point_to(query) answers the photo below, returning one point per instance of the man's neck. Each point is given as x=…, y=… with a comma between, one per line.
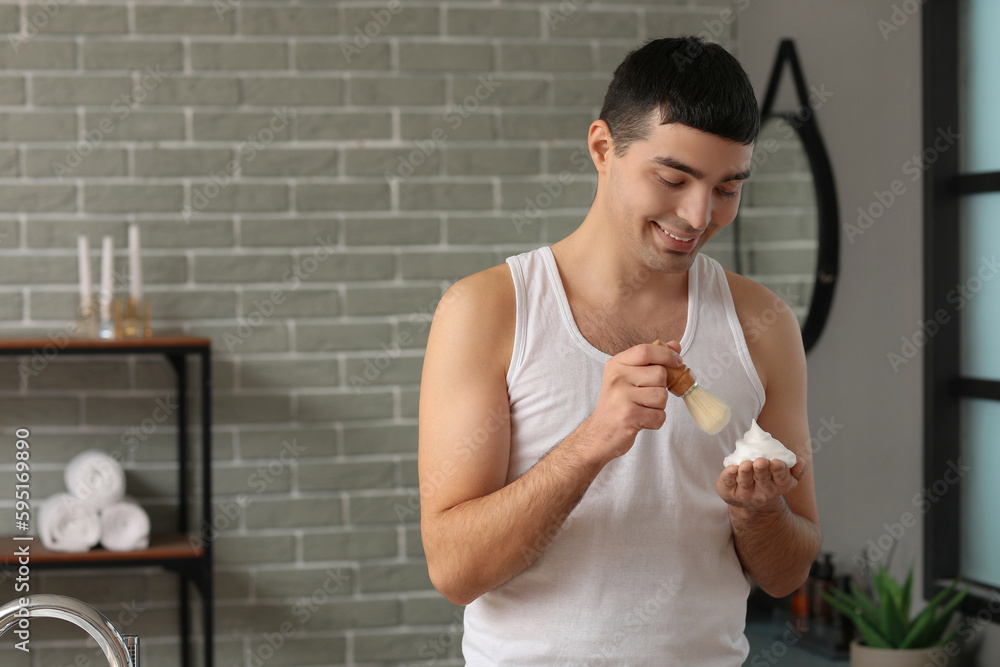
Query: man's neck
x=597, y=268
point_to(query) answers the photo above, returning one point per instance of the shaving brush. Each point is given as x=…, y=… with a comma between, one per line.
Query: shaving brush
x=709, y=412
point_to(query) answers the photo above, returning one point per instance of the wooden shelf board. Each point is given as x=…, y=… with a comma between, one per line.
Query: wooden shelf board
x=162, y=546
x=39, y=342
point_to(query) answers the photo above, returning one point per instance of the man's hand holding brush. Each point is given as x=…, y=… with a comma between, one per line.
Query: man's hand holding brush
x=633, y=396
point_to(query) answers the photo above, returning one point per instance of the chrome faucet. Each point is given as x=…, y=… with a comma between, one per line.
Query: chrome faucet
x=120, y=651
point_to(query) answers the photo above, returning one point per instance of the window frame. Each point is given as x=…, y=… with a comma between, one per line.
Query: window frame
x=944, y=385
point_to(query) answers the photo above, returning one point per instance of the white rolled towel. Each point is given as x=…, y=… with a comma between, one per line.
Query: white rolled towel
x=124, y=526
x=95, y=478
x=66, y=523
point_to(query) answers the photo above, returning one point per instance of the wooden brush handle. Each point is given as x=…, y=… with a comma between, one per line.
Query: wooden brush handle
x=679, y=379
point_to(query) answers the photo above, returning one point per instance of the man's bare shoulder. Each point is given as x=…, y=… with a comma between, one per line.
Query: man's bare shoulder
x=480, y=308
x=488, y=293
x=758, y=307
x=770, y=327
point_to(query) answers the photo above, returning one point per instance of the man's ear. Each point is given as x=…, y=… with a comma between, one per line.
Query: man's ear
x=600, y=145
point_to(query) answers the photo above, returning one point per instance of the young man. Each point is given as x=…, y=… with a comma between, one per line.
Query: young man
x=565, y=498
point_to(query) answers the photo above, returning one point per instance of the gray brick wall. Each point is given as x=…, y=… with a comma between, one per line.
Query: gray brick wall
x=308, y=178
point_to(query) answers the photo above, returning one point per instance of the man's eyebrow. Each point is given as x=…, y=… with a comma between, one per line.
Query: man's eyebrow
x=674, y=163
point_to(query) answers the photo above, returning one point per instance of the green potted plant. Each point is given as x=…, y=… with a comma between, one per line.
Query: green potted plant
x=891, y=637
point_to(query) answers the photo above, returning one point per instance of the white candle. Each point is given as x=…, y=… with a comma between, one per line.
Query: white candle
x=134, y=263
x=83, y=257
x=107, y=268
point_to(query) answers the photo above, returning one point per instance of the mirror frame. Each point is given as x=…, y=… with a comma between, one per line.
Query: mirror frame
x=803, y=121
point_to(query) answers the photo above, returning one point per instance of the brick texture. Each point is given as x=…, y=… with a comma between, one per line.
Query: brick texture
x=308, y=178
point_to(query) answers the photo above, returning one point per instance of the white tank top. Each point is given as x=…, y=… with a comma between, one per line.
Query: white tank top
x=644, y=570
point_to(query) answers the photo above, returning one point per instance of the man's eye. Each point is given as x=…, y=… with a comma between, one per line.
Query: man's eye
x=666, y=182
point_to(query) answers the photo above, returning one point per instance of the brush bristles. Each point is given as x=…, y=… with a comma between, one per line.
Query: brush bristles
x=710, y=413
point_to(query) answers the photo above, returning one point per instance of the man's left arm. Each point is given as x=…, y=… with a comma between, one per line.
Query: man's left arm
x=772, y=508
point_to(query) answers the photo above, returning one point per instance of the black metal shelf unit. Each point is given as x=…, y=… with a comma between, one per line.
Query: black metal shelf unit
x=187, y=553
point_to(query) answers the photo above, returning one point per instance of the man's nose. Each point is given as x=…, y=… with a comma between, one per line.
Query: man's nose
x=696, y=208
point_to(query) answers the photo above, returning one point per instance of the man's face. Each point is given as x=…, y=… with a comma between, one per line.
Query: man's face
x=673, y=191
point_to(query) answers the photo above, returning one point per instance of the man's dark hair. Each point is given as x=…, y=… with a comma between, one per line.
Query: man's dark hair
x=690, y=81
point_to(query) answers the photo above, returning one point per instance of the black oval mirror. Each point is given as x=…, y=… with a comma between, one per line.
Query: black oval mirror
x=786, y=234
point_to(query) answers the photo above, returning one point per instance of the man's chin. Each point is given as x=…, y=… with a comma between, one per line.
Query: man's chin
x=673, y=261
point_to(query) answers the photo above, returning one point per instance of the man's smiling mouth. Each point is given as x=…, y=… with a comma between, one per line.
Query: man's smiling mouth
x=676, y=237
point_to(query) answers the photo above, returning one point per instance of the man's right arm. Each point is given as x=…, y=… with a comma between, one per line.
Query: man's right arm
x=479, y=532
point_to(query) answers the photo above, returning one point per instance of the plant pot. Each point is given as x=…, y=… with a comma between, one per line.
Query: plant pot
x=866, y=656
